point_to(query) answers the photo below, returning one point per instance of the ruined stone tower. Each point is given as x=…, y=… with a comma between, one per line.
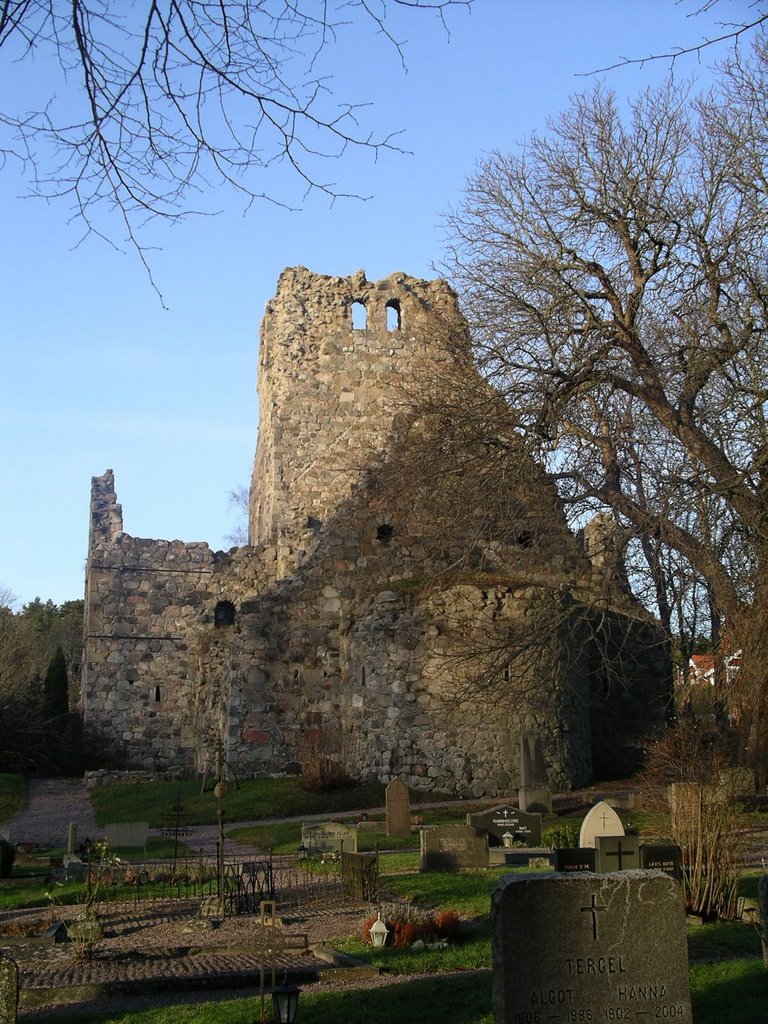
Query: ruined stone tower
x=356, y=617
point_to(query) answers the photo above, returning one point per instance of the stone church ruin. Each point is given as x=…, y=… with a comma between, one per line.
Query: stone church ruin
x=359, y=625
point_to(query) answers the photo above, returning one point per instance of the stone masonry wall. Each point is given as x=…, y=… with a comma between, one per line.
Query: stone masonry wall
x=331, y=625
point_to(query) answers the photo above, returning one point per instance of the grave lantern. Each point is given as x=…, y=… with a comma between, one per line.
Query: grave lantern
x=285, y=1002
x=379, y=932
x=303, y=852
x=508, y=839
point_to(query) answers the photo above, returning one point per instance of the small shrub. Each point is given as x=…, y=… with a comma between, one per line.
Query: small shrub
x=407, y=924
x=560, y=837
x=447, y=924
x=7, y=857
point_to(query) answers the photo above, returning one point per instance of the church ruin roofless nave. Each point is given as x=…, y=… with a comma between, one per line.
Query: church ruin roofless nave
x=347, y=624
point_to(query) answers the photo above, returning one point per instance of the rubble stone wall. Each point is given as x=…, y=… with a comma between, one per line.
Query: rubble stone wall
x=341, y=626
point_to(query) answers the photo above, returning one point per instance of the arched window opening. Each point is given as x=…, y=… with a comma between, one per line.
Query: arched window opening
x=384, y=533
x=393, y=315
x=359, y=316
x=224, y=614
x=507, y=674
x=157, y=695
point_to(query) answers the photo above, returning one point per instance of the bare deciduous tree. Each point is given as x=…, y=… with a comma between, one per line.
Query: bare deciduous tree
x=614, y=274
x=145, y=105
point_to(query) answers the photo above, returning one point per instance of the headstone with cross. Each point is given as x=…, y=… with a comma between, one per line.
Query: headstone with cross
x=503, y=821
x=601, y=820
x=617, y=853
x=594, y=948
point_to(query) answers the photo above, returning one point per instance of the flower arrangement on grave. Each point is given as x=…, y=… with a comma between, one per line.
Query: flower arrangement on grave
x=408, y=925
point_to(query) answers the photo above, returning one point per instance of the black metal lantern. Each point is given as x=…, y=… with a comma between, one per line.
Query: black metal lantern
x=285, y=1002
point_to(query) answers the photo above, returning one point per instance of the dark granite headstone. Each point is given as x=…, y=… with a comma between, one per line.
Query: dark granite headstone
x=580, y=858
x=662, y=858
x=452, y=847
x=593, y=948
x=500, y=822
x=617, y=853
x=398, y=803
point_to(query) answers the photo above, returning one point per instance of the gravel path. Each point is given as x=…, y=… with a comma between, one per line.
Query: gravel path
x=53, y=804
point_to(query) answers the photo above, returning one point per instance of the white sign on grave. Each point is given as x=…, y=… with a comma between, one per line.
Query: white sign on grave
x=602, y=820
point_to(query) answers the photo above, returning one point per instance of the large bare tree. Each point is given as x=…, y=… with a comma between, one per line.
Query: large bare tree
x=613, y=270
x=140, y=107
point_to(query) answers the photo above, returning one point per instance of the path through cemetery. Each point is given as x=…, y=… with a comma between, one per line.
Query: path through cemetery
x=52, y=805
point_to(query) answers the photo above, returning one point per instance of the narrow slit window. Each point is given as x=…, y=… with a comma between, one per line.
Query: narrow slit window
x=362, y=676
x=157, y=695
x=359, y=316
x=393, y=315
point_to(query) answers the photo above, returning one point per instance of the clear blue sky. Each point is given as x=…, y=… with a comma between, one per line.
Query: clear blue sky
x=96, y=374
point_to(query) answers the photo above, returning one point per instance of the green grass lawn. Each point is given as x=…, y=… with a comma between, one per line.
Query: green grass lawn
x=254, y=800
x=13, y=795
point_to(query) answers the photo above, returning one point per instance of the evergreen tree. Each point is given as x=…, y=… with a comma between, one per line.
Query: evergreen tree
x=56, y=685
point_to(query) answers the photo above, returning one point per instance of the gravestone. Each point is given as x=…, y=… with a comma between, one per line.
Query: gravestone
x=398, y=802
x=127, y=833
x=360, y=876
x=503, y=822
x=329, y=837
x=534, y=794
x=617, y=853
x=73, y=868
x=452, y=847
x=661, y=857
x=9, y=990
x=591, y=948
x=601, y=820
x=576, y=859
x=72, y=838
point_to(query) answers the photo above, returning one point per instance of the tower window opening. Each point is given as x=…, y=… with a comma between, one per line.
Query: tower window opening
x=393, y=315
x=156, y=695
x=224, y=614
x=359, y=316
x=384, y=533
x=362, y=676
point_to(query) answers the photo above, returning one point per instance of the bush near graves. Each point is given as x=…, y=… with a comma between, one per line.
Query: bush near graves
x=7, y=857
x=560, y=837
x=407, y=924
x=700, y=756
